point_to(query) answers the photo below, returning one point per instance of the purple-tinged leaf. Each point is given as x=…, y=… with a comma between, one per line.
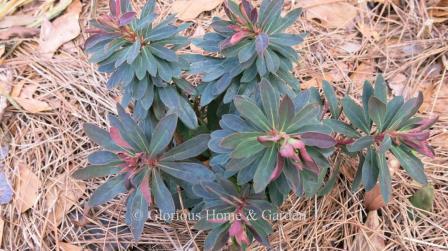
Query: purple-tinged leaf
x=287, y=151
x=6, y=191
x=254, y=15
x=112, y=8
x=237, y=230
x=310, y=164
x=361, y=143
x=246, y=8
x=100, y=137
x=278, y=167
x=261, y=43
x=126, y=18
x=268, y=138
x=425, y=123
x=146, y=190
x=237, y=37
x=117, y=138
x=318, y=139
x=117, y=8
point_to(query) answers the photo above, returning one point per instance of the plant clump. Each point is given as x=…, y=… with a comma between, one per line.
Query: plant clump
x=252, y=138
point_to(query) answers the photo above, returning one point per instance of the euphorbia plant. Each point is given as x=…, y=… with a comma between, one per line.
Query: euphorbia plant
x=143, y=160
x=229, y=211
x=277, y=142
x=271, y=140
x=253, y=45
x=380, y=126
x=142, y=59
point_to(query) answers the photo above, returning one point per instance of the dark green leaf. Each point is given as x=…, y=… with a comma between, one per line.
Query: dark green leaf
x=102, y=158
x=270, y=102
x=108, y=190
x=377, y=111
x=342, y=128
x=190, y=148
x=95, y=171
x=217, y=238
x=361, y=143
x=162, y=195
x=384, y=177
x=392, y=109
x=286, y=112
x=162, y=134
x=369, y=170
x=385, y=145
x=247, y=148
x=250, y=111
x=101, y=137
x=190, y=172
x=354, y=112
x=405, y=112
x=164, y=53
x=413, y=165
x=331, y=98
x=381, y=89
x=264, y=169
x=138, y=211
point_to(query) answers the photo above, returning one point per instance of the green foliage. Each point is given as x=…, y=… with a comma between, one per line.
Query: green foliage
x=143, y=159
x=253, y=45
x=234, y=212
x=141, y=57
x=266, y=138
x=386, y=126
x=274, y=143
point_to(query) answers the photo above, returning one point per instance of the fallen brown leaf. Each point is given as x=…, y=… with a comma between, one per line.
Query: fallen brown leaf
x=332, y=14
x=33, y=105
x=364, y=71
x=18, y=31
x=370, y=239
x=373, y=199
x=26, y=189
x=6, y=78
x=190, y=9
x=397, y=84
x=69, y=247
x=16, y=20
x=28, y=91
x=60, y=31
x=62, y=193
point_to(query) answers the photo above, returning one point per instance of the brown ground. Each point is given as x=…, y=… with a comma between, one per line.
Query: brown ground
x=397, y=40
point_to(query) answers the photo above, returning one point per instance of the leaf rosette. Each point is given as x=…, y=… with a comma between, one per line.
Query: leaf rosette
x=281, y=145
x=380, y=126
x=252, y=45
x=232, y=212
x=141, y=57
x=143, y=160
